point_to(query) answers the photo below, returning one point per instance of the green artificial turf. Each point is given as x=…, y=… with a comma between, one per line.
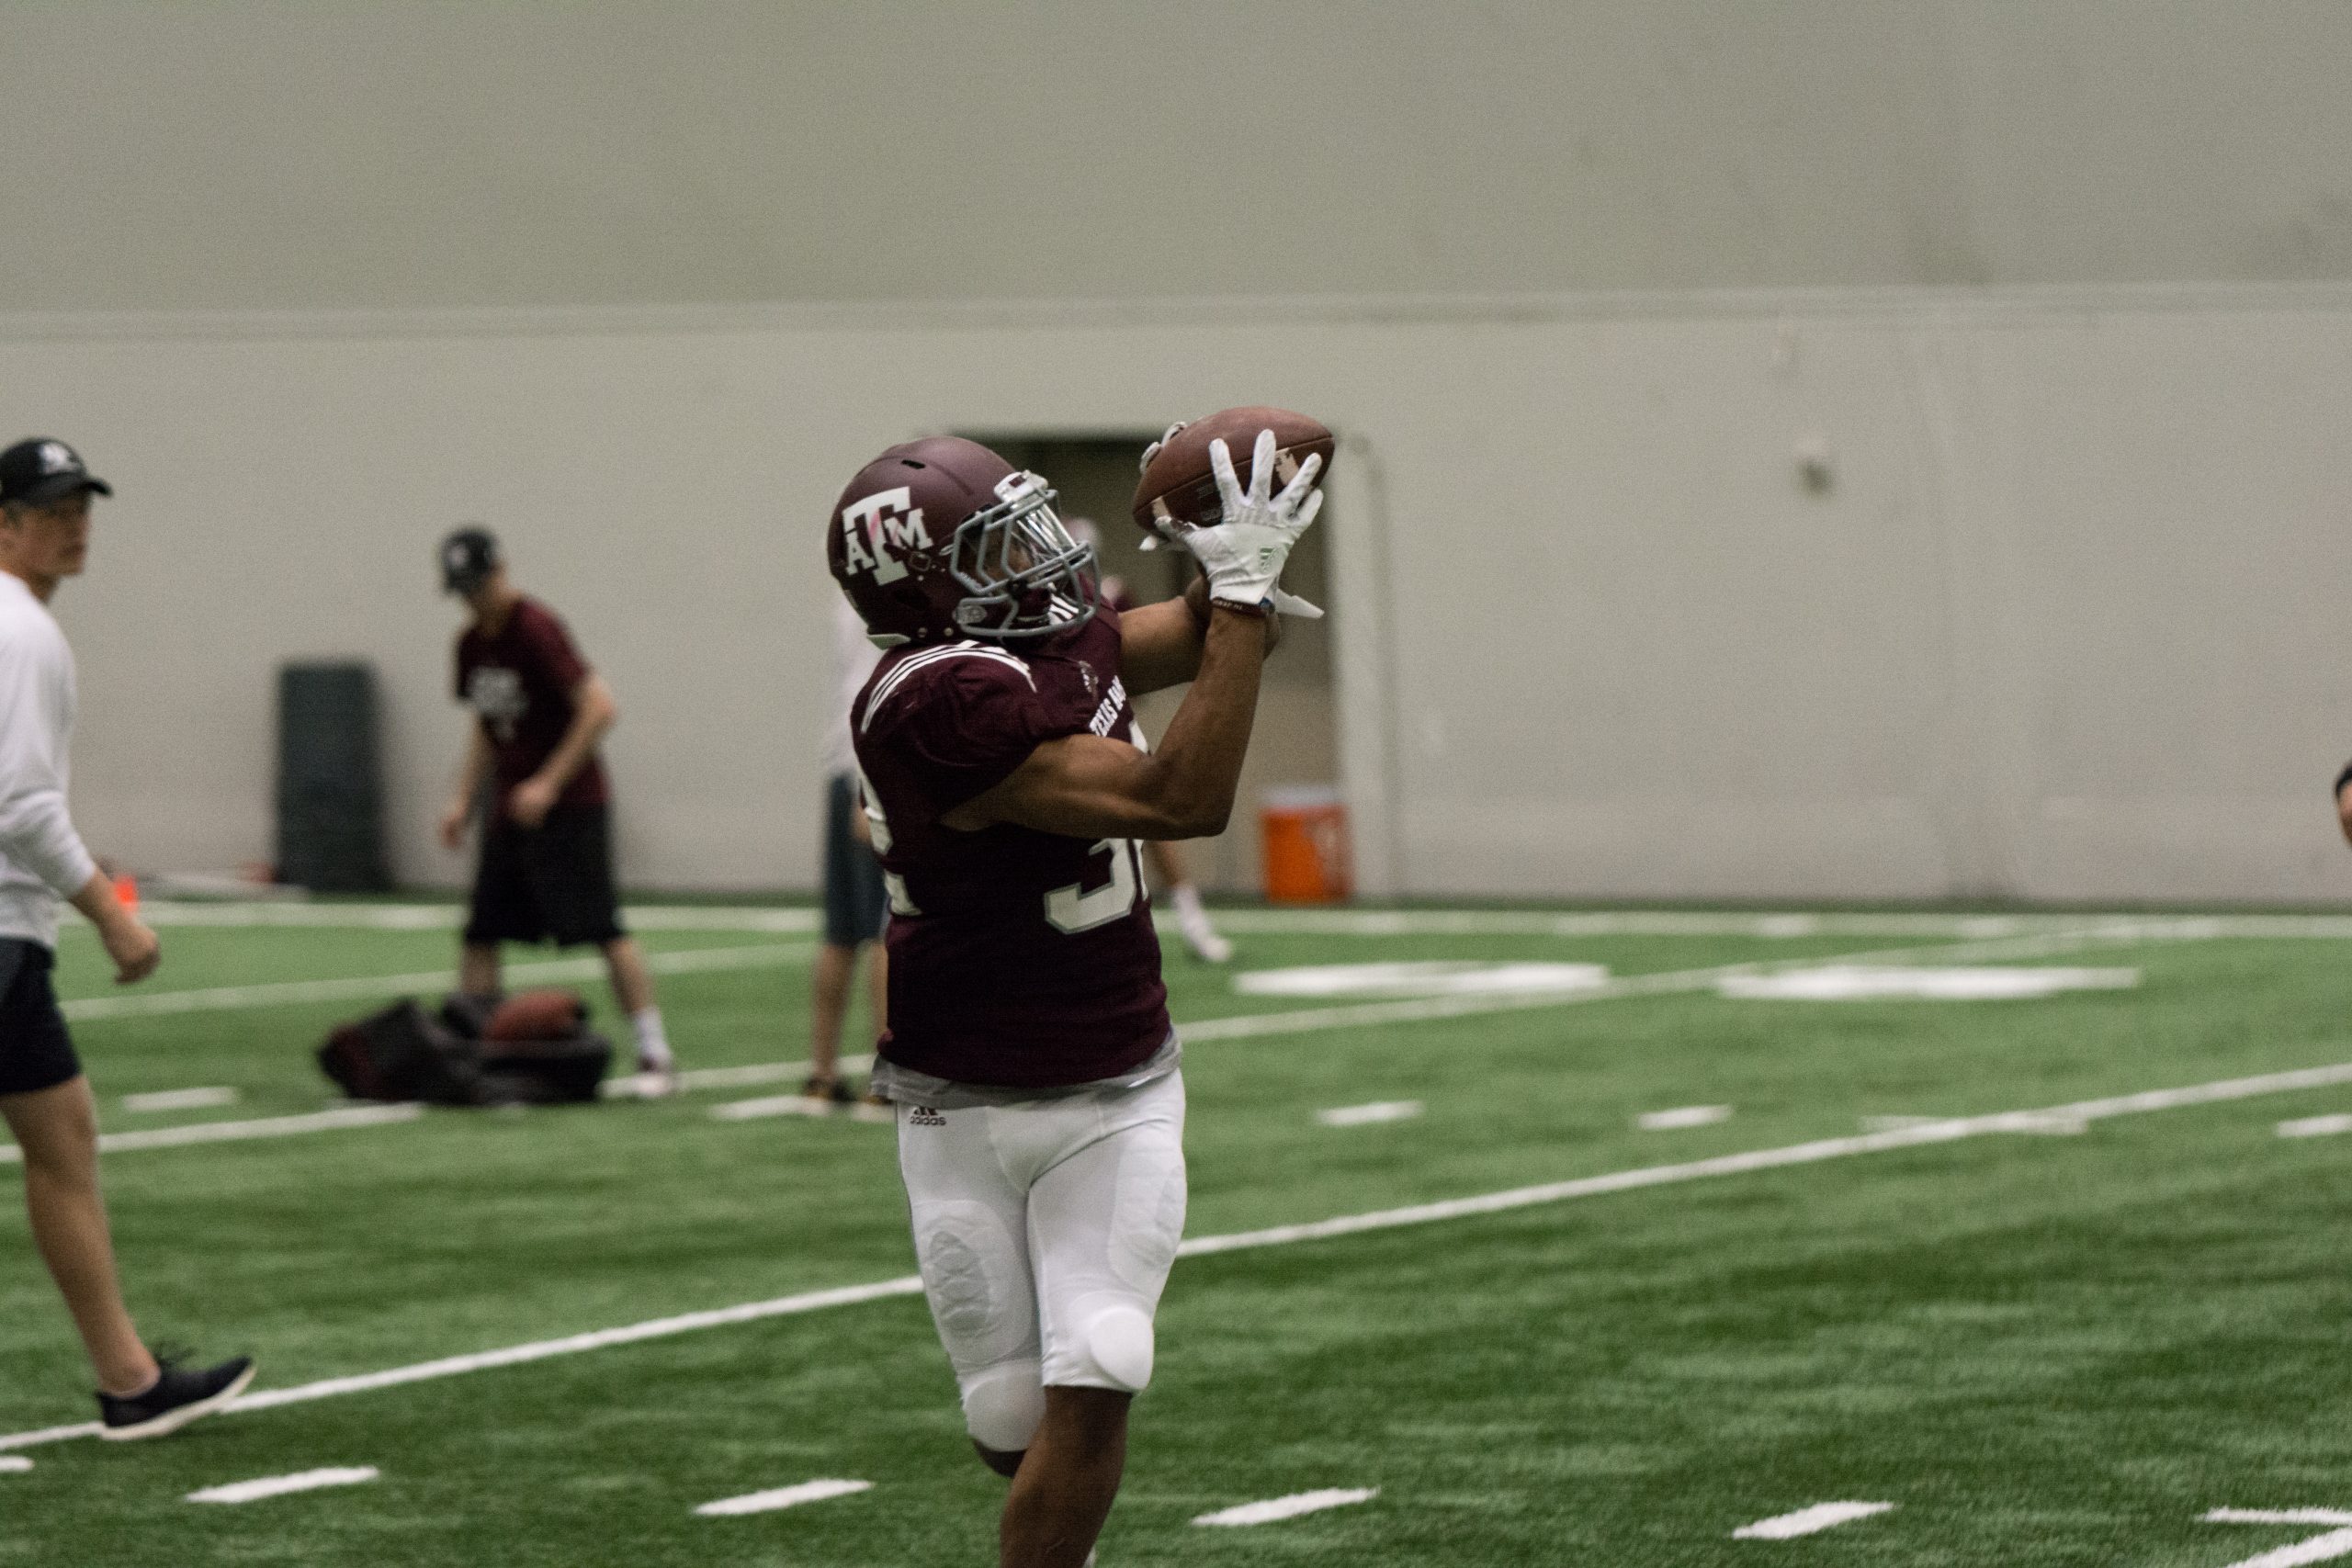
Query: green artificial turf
x=2045, y=1350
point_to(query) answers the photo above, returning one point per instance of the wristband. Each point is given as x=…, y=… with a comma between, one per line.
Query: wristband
x=1261, y=609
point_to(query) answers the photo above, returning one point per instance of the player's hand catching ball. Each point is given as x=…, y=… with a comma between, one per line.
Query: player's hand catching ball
x=1243, y=554
x=531, y=801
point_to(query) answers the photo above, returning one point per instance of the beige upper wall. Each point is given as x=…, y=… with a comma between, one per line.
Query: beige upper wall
x=296, y=154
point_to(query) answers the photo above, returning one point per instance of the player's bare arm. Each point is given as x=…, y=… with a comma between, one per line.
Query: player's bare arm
x=471, y=775
x=594, y=712
x=1088, y=786
x=128, y=941
x=1160, y=645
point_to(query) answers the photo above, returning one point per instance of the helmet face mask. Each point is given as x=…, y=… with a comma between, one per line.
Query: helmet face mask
x=942, y=539
x=1023, y=573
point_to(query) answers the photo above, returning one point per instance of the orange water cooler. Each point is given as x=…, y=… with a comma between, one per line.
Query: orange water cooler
x=1303, y=830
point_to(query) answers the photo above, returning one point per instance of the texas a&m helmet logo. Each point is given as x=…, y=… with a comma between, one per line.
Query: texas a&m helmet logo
x=878, y=529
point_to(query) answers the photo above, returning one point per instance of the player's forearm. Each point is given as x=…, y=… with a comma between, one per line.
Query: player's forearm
x=1192, y=778
x=572, y=752
x=474, y=772
x=97, y=901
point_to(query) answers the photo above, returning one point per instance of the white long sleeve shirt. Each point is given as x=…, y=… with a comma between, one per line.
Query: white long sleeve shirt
x=42, y=857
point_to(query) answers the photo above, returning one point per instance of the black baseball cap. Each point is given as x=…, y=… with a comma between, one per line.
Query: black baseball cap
x=468, y=556
x=41, y=468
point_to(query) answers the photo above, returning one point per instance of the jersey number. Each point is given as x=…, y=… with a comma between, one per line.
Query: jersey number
x=1072, y=910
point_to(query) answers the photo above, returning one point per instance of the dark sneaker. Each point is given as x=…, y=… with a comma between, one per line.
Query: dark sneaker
x=833, y=1091
x=179, y=1396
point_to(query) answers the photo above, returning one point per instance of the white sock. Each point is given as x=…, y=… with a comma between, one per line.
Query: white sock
x=1187, y=900
x=652, y=1044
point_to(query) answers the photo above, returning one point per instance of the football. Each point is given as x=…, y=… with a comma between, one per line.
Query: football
x=1178, y=486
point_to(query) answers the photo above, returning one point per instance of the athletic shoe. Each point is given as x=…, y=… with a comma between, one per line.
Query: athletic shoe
x=832, y=1091
x=657, y=1078
x=178, y=1396
x=1201, y=938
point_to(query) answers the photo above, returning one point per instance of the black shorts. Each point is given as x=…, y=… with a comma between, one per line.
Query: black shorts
x=35, y=1051
x=856, y=906
x=552, y=883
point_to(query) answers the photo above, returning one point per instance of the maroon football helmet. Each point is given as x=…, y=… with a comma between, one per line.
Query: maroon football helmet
x=942, y=539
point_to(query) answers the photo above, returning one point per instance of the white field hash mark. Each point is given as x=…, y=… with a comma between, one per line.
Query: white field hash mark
x=2337, y=1542
x=2315, y=1127
x=14, y=1465
x=1808, y=1521
x=279, y=1485
x=1682, y=1116
x=1943, y=1131
x=782, y=1497
x=180, y=1100
x=1363, y=1115
x=1289, y=1508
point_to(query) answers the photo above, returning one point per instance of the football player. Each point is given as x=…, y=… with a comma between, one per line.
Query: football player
x=1029, y=1057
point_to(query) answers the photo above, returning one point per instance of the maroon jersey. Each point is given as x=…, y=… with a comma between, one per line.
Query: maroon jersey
x=519, y=684
x=1020, y=959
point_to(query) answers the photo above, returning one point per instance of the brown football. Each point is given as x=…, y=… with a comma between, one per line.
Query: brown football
x=1178, y=485
x=537, y=1015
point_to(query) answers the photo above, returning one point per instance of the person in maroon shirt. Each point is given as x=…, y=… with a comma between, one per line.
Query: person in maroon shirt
x=1029, y=1053
x=546, y=873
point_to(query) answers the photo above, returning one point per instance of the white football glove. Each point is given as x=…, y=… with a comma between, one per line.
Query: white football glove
x=1243, y=555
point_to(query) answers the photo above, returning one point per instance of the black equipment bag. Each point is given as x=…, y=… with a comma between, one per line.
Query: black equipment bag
x=400, y=1053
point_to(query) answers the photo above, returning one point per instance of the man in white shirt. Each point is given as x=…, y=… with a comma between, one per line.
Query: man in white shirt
x=45, y=493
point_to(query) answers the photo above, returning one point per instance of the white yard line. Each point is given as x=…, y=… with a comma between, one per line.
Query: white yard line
x=1813, y=1153
x=799, y=1105
x=281, y=1485
x=180, y=1100
x=782, y=1497
x=1808, y=1521
x=1290, y=1507
x=151, y=1004
x=14, y=1465
x=2337, y=1542
x=1680, y=1117
x=1363, y=1115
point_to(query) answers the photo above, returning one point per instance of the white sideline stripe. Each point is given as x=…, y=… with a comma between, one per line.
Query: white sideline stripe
x=220, y=997
x=2337, y=1542
x=180, y=1100
x=743, y=1077
x=782, y=1497
x=1682, y=1116
x=336, y=1120
x=1942, y=1132
x=1361, y=1115
x=14, y=1465
x=279, y=1485
x=1808, y=1521
x=2277, y=1517
x=1769, y=924
x=2315, y=1127
x=1290, y=1507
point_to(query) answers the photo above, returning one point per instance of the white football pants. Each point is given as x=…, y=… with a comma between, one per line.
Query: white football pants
x=1045, y=1231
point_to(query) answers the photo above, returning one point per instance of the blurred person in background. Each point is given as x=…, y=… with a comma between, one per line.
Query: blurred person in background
x=546, y=872
x=45, y=493
x=857, y=906
x=1162, y=858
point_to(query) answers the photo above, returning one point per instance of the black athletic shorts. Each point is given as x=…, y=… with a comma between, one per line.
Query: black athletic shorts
x=856, y=909
x=35, y=1051
x=552, y=883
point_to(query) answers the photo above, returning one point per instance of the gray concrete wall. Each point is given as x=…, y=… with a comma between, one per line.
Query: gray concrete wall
x=2063, y=627
x=293, y=155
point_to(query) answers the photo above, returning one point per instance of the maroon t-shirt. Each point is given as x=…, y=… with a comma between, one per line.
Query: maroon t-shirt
x=519, y=684
x=1020, y=959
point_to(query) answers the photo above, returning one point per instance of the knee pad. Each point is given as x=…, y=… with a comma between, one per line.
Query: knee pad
x=1003, y=1405
x=1116, y=1347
